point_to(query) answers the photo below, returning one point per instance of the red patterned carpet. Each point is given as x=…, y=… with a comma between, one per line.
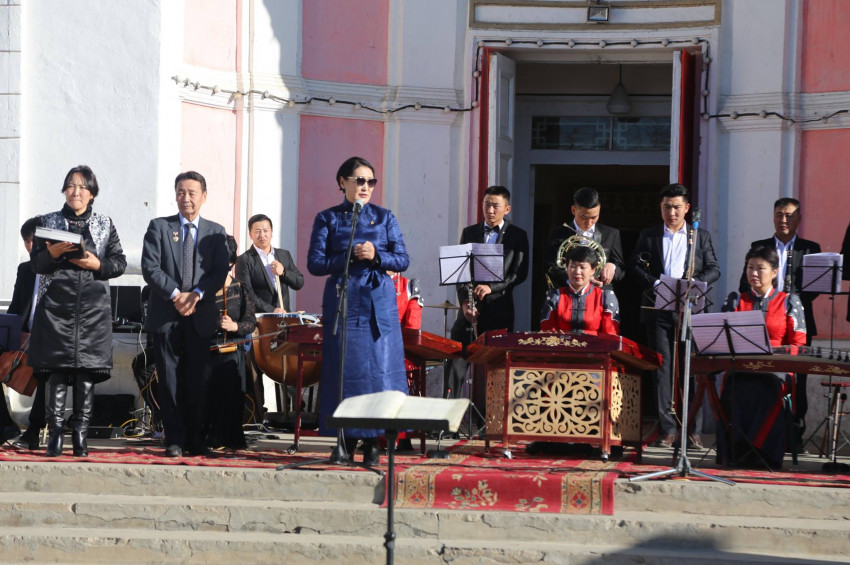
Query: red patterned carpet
x=472, y=479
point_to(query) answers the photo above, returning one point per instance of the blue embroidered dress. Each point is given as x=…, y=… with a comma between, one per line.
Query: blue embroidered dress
x=374, y=350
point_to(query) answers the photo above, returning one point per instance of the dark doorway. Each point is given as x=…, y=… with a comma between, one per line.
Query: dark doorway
x=629, y=196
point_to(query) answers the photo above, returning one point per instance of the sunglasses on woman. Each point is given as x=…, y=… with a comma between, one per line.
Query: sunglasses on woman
x=363, y=180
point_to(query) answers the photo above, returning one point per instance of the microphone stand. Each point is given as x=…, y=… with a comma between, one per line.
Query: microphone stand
x=683, y=467
x=339, y=455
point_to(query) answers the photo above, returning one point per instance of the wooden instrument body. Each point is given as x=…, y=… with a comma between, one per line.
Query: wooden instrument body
x=278, y=367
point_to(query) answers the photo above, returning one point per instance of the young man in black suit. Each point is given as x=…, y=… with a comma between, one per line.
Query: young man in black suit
x=585, y=210
x=184, y=261
x=264, y=270
x=664, y=249
x=786, y=221
x=23, y=304
x=494, y=301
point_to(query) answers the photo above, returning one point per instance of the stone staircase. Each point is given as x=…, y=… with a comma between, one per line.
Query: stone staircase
x=89, y=513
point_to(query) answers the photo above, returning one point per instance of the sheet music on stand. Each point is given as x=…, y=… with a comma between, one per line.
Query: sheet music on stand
x=818, y=271
x=735, y=333
x=670, y=294
x=471, y=262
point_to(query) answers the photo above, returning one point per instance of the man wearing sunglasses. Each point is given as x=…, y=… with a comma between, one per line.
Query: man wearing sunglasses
x=494, y=301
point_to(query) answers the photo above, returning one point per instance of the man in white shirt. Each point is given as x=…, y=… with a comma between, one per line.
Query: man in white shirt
x=660, y=250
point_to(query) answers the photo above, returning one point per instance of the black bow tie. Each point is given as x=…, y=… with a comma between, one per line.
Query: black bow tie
x=488, y=229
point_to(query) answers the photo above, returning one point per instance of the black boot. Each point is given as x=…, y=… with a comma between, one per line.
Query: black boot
x=54, y=406
x=371, y=455
x=83, y=404
x=350, y=447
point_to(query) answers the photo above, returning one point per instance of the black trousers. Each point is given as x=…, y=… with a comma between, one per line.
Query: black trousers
x=662, y=337
x=183, y=369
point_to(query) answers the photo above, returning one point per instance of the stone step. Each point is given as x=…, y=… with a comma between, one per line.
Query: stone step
x=191, y=481
x=685, y=496
x=45, y=544
x=105, y=514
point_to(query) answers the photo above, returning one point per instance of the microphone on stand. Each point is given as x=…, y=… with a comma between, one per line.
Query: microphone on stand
x=358, y=205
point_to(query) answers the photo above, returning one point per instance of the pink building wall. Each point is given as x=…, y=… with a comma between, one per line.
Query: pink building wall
x=345, y=41
x=324, y=144
x=825, y=57
x=210, y=33
x=824, y=167
x=209, y=147
x=211, y=137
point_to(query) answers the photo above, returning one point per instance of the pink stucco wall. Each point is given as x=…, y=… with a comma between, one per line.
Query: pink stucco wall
x=824, y=170
x=345, y=41
x=209, y=146
x=324, y=144
x=210, y=33
x=826, y=58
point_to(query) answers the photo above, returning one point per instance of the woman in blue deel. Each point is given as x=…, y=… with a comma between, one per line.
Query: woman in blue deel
x=374, y=352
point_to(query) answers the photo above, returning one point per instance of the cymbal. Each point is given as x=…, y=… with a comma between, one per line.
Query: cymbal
x=445, y=306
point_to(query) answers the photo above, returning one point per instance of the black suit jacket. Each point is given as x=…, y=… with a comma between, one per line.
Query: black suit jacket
x=845, y=250
x=650, y=246
x=801, y=247
x=606, y=236
x=162, y=269
x=496, y=311
x=251, y=272
x=21, y=303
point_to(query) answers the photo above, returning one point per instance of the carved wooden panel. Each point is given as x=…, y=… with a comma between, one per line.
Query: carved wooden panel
x=625, y=407
x=555, y=402
x=495, y=400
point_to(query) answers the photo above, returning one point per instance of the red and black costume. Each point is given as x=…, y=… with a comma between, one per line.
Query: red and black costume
x=590, y=310
x=754, y=401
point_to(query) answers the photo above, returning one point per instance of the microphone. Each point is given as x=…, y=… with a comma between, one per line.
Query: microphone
x=358, y=205
x=696, y=214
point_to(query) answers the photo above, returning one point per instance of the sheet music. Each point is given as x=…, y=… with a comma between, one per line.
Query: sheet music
x=671, y=290
x=725, y=333
x=457, y=265
x=818, y=272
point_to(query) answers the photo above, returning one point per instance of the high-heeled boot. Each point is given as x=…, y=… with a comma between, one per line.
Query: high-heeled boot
x=54, y=405
x=83, y=404
x=371, y=455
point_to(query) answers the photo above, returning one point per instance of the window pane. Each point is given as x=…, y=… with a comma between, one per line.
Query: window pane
x=641, y=134
x=585, y=133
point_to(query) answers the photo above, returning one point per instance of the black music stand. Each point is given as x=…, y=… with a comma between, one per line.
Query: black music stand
x=470, y=264
x=825, y=278
x=394, y=411
x=693, y=292
x=671, y=295
x=734, y=333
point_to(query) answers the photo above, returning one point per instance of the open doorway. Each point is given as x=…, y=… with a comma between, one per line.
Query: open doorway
x=629, y=197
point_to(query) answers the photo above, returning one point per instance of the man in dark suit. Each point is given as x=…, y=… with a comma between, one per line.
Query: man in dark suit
x=22, y=304
x=184, y=261
x=664, y=249
x=264, y=269
x=585, y=210
x=786, y=220
x=494, y=301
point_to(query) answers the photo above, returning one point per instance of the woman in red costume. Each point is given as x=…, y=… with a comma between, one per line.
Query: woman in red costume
x=581, y=307
x=753, y=402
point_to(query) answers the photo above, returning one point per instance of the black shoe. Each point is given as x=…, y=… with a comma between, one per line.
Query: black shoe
x=404, y=444
x=8, y=432
x=54, y=443
x=174, y=451
x=78, y=440
x=28, y=439
x=664, y=440
x=371, y=455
